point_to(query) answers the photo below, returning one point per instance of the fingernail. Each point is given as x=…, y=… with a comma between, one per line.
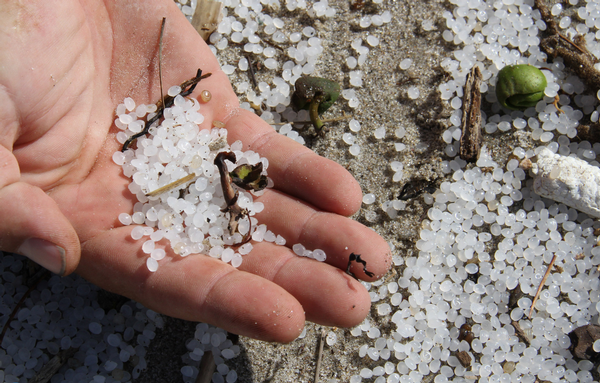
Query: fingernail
x=45, y=254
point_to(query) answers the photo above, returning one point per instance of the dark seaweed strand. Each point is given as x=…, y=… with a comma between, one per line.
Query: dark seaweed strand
x=356, y=258
x=191, y=83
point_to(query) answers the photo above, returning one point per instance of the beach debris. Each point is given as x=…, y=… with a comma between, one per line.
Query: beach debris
x=464, y=358
x=589, y=132
x=207, y=368
x=187, y=87
x=356, y=258
x=53, y=365
x=465, y=333
x=575, y=55
x=415, y=188
x=520, y=333
x=315, y=94
x=569, y=180
x=249, y=177
x=520, y=86
x=172, y=185
x=231, y=196
x=508, y=367
x=251, y=74
x=583, y=342
x=514, y=296
x=470, y=139
x=207, y=17
x=320, y=354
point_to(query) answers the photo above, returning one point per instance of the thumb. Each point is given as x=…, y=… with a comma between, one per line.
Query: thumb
x=32, y=224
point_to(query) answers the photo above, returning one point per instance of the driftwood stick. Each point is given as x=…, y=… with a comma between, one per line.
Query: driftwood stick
x=470, y=140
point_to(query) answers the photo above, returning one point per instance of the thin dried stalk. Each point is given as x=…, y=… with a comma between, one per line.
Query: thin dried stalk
x=230, y=194
x=172, y=185
x=320, y=355
x=539, y=290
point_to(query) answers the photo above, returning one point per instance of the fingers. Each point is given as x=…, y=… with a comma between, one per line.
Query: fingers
x=338, y=236
x=33, y=225
x=196, y=288
x=328, y=295
x=295, y=169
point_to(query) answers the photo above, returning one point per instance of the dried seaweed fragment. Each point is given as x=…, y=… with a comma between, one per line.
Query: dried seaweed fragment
x=416, y=187
x=356, y=258
x=249, y=177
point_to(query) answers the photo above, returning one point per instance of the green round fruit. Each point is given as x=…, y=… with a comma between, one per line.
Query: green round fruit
x=520, y=86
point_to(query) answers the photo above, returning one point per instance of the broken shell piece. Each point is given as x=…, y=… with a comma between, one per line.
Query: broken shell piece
x=569, y=180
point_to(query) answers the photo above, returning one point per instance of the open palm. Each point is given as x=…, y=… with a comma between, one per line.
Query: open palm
x=64, y=67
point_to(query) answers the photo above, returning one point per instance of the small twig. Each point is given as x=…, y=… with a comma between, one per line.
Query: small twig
x=537, y=294
x=251, y=72
x=52, y=366
x=520, y=333
x=12, y=315
x=320, y=355
x=230, y=195
x=470, y=140
x=206, y=368
x=514, y=296
x=172, y=185
x=555, y=103
x=580, y=49
x=273, y=44
x=160, y=46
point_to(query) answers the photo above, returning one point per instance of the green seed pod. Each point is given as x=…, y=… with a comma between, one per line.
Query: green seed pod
x=520, y=86
x=307, y=88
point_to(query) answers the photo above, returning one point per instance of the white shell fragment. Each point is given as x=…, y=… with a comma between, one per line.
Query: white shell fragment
x=569, y=180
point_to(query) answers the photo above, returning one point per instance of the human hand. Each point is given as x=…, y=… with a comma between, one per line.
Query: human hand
x=66, y=65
